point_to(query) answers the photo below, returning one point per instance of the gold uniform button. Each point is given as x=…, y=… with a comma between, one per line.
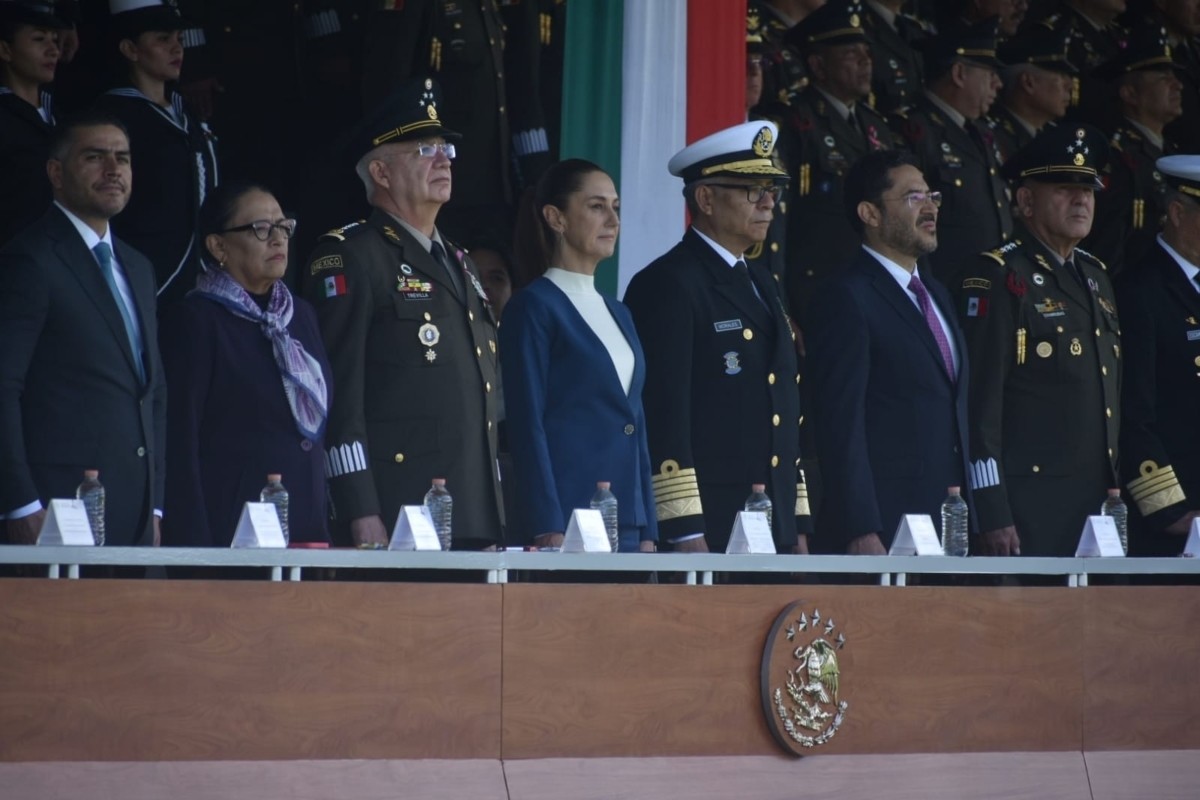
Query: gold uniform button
x=774, y=247
x=782, y=207
x=487, y=387
x=1097, y=331
x=428, y=318
x=629, y=430
x=1110, y=452
x=775, y=420
x=1108, y=413
x=774, y=461
x=489, y=424
x=1036, y=468
x=471, y=315
x=747, y=334
x=492, y=345
x=771, y=378
x=398, y=458
x=991, y=170
x=479, y=352
x=1103, y=370
x=797, y=378
x=958, y=181
x=1059, y=329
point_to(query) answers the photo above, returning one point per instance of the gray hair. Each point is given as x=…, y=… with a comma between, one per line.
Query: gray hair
x=363, y=170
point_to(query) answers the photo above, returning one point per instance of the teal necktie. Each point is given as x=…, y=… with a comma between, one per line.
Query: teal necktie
x=104, y=255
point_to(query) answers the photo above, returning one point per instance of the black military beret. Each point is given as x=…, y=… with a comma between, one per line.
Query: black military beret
x=1061, y=154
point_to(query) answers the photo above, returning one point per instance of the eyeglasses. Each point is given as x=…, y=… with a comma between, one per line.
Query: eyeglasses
x=431, y=150
x=918, y=199
x=756, y=62
x=754, y=193
x=261, y=228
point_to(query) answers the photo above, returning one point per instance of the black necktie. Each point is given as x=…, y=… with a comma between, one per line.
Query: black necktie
x=852, y=118
x=744, y=270
x=439, y=255
x=1075, y=272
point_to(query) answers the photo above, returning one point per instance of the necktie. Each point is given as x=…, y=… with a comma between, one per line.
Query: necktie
x=744, y=271
x=935, y=326
x=852, y=119
x=1075, y=272
x=439, y=255
x=104, y=255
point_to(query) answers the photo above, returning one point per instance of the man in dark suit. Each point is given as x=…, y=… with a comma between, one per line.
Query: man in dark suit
x=81, y=383
x=410, y=336
x=1041, y=326
x=888, y=366
x=1160, y=319
x=722, y=404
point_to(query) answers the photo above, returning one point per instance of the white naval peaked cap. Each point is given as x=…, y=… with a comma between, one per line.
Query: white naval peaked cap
x=743, y=151
x=121, y=6
x=1181, y=172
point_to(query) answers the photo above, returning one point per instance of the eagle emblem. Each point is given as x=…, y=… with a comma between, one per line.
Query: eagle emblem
x=802, y=693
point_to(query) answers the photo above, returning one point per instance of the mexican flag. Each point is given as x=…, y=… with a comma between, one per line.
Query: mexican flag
x=642, y=79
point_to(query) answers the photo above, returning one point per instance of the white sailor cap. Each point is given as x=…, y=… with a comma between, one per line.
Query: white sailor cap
x=743, y=151
x=1181, y=172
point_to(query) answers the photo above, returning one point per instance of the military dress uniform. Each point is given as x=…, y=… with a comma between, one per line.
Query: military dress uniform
x=784, y=71
x=1044, y=406
x=412, y=345
x=1160, y=430
x=1088, y=48
x=897, y=74
x=721, y=396
x=1037, y=46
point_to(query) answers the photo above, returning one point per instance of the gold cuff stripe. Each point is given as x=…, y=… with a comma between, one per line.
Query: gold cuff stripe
x=1148, y=488
x=675, y=509
x=661, y=482
x=677, y=494
x=1151, y=473
x=802, y=509
x=1160, y=500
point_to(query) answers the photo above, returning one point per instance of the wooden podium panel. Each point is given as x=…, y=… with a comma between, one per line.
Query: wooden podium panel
x=1142, y=668
x=666, y=671
x=182, y=670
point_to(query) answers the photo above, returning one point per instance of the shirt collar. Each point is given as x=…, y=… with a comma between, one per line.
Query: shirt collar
x=1189, y=269
x=729, y=257
x=954, y=114
x=421, y=238
x=842, y=109
x=902, y=276
x=89, y=236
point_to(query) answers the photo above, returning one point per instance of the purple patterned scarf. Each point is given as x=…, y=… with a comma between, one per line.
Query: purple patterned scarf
x=303, y=381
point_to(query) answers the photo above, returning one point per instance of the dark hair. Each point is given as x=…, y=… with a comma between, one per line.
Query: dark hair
x=534, y=239
x=221, y=204
x=64, y=132
x=869, y=178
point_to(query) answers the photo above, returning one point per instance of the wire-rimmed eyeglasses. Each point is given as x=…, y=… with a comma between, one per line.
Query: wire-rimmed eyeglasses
x=261, y=228
x=918, y=199
x=754, y=192
x=431, y=150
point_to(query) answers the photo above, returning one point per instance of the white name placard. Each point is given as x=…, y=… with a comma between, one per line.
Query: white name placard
x=586, y=533
x=916, y=536
x=414, y=530
x=1099, y=539
x=66, y=523
x=1191, y=547
x=751, y=534
x=258, y=526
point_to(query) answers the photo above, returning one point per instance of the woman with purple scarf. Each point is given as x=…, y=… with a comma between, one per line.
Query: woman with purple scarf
x=248, y=381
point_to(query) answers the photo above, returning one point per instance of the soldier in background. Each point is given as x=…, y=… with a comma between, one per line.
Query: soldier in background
x=828, y=127
x=784, y=74
x=1044, y=344
x=1095, y=36
x=1037, y=87
x=1160, y=319
x=897, y=74
x=1148, y=93
x=492, y=75
x=956, y=151
x=963, y=13
x=770, y=252
x=411, y=338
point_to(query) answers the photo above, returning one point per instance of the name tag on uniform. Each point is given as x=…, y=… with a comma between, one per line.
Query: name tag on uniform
x=1193, y=335
x=728, y=325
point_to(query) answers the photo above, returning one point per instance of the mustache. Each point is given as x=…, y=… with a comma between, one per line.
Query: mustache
x=921, y=220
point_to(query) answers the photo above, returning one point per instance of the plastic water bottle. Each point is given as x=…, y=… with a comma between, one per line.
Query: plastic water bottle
x=758, y=500
x=605, y=502
x=954, y=523
x=276, y=495
x=1114, y=507
x=91, y=492
x=441, y=508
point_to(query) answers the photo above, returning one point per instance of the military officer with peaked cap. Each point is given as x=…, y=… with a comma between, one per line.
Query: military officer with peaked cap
x=721, y=395
x=957, y=152
x=1044, y=343
x=1160, y=315
x=1038, y=81
x=410, y=336
x=828, y=128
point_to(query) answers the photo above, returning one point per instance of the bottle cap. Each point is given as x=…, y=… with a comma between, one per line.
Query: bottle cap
x=758, y=487
x=954, y=490
x=1114, y=492
x=91, y=474
x=439, y=481
x=603, y=485
x=274, y=477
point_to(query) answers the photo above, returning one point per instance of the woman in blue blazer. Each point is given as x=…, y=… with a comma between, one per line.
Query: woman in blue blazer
x=573, y=369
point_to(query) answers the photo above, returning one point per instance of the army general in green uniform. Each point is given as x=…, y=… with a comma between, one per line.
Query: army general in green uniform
x=411, y=339
x=1044, y=343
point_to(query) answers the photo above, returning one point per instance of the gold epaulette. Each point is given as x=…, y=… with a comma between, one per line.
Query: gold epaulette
x=998, y=254
x=339, y=234
x=676, y=492
x=1156, y=488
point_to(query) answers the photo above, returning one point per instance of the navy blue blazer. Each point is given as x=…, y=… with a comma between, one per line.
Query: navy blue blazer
x=570, y=424
x=890, y=425
x=229, y=425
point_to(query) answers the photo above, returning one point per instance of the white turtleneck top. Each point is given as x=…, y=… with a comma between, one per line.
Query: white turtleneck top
x=581, y=291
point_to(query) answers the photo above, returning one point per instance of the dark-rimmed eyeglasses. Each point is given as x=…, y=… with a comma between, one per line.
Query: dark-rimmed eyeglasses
x=754, y=193
x=261, y=228
x=431, y=150
x=918, y=199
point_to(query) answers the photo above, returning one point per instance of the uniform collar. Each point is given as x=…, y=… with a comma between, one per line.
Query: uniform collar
x=1190, y=270
x=728, y=257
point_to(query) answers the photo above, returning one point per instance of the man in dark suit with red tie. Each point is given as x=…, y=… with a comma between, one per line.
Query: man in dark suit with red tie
x=888, y=366
x=81, y=383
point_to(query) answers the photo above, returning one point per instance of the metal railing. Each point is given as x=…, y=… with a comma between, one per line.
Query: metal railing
x=698, y=568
